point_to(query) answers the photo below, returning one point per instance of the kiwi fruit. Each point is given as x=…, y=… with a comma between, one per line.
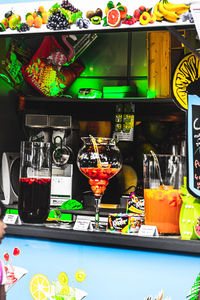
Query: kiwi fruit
x=90, y=14
x=99, y=12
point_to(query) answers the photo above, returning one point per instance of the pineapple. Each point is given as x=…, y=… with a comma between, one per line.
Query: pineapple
x=48, y=76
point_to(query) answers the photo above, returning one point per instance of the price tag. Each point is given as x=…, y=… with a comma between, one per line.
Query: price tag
x=11, y=219
x=195, y=10
x=147, y=230
x=83, y=224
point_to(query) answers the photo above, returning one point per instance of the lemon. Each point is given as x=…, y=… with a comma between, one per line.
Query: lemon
x=127, y=178
x=63, y=279
x=64, y=290
x=185, y=80
x=80, y=275
x=40, y=287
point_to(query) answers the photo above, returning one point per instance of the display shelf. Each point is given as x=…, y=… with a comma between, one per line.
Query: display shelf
x=100, y=100
x=23, y=7
x=94, y=29
x=172, y=244
x=103, y=109
x=90, y=211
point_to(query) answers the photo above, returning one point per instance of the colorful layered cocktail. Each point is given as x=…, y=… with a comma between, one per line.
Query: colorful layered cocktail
x=99, y=178
x=99, y=159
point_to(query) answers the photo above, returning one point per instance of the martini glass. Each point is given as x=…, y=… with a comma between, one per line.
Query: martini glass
x=99, y=159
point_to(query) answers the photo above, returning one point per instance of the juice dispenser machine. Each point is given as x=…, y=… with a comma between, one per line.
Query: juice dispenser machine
x=56, y=129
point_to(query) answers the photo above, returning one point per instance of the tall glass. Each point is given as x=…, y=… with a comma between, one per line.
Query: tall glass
x=34, y=182
x=99, y=159
x=163, y=178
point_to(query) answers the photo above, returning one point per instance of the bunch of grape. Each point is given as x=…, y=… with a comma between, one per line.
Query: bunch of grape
x=23, y=27
x=187, y=16
x=82, y=23
x=57, y=21
x=68, y=6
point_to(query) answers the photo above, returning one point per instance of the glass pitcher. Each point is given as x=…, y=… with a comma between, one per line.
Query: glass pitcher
x=34, y=182
x=163, y=177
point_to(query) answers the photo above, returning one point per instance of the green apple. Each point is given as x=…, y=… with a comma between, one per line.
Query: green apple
x=19, y=18
x=13, y=21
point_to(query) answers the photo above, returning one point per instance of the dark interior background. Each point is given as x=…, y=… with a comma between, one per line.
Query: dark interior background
x=114, y=59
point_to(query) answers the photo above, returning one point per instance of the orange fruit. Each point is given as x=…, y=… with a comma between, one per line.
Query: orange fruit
x=123, y=11
x=113, y=17
x=30, y=20
x=38, y=22
x=41, y=9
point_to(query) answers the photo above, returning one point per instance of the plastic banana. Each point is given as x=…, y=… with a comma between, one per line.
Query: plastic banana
x=159, y=16
x=182, y=11
x=168, y=15
x=178, y=8
x=172, y=18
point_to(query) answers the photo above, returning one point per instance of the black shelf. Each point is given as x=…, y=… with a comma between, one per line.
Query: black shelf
x=41, y=32
x=107, y=239
x=146, y=109
x=99, y=100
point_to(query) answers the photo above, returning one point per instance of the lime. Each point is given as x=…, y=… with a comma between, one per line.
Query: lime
x=80, y=275
x=63, y=279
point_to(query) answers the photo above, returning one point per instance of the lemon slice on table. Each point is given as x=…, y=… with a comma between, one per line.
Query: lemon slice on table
x=80, y=275
x=63, y=279
x=186, y=80
x=65, y=290
x=40, y=287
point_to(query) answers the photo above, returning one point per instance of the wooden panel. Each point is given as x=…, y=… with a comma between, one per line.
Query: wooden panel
x=159, y=63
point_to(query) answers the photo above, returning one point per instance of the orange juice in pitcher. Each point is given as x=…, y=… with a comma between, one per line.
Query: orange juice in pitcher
x=162, y=191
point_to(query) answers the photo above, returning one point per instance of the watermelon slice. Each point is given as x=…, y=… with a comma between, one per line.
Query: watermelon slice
x=197, y=231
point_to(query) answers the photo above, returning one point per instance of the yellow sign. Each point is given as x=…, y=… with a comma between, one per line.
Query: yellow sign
x=186, y=80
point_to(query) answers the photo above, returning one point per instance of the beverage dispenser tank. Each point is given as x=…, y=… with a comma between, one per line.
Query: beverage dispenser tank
x=61, y=131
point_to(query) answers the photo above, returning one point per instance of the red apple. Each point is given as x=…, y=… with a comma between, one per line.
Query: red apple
x=5, y=22
x=137, y=14
x=142, y=8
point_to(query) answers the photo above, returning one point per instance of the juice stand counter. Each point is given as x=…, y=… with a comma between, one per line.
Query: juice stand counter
x=54, y=263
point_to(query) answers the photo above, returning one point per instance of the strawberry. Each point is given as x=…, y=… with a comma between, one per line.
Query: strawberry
x=6, y=256
x=16, y=251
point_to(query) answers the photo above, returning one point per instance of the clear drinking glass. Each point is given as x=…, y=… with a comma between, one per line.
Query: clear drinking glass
x=163, y=177
x=34, y=181
x=99, y=159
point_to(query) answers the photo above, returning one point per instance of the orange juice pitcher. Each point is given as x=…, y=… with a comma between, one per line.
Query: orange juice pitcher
x=163, y=177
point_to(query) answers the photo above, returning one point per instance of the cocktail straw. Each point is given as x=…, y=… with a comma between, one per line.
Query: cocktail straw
x=99, y=164
x=158, y=167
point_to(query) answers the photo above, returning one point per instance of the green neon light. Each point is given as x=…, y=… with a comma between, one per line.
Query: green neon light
x=5, y=77
x=151, y=94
